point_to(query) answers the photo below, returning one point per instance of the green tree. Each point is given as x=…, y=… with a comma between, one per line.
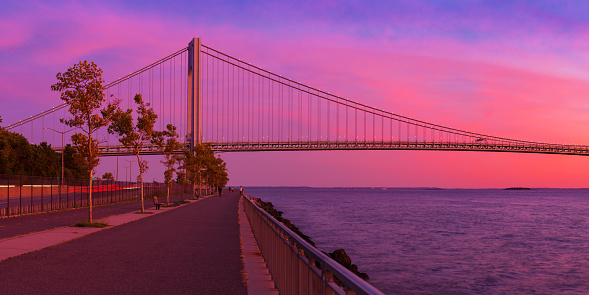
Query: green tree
x=170, y=146
x=135, y=136
x=74, y=163
x=202, y=167
x=216, y=173
x=194, y=162
x=81, y=88
x=190, y=166
x=19, y=157
x=108, y=176
x=15, y=154
x=181, y=178
x=44, y=161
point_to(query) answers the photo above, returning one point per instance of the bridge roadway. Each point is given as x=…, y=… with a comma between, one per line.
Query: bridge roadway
x=192, y=249
x=513, y=147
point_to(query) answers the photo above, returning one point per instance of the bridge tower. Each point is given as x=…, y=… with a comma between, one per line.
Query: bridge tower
x=194, y=93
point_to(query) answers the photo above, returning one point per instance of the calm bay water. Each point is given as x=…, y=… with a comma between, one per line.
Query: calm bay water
x=421, y=241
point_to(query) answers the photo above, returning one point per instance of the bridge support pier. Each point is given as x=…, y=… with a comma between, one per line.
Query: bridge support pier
x=194, y=93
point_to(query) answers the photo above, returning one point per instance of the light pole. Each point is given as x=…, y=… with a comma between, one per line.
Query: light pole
x=62, y=152
x=126, y=171
x=130, y=168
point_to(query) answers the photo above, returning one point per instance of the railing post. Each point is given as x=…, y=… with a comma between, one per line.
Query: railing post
x=285, y=255
x=8, y=199
x=20, y=194
x=67, y=194
x=42, y=191
x=51, y=189
x=30, y=180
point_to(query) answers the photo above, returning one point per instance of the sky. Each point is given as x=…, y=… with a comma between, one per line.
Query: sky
x=516, y=69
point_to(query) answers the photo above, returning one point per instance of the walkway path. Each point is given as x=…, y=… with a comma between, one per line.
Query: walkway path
x=193, y=249
x=20, y=225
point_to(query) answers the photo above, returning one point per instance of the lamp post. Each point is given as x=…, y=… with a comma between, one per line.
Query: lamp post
x=62, y=152
x=130, y=168
x=125, y=171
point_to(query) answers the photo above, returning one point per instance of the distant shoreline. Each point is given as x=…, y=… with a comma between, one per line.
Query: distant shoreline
x=517, y=188
x=413, y=188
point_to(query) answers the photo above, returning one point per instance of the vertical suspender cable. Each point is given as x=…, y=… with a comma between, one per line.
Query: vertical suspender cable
x=347, y=119
x=272, y=109
x=382, y=130
x=233, y=105
x=260, y=94
x=356, y=125
x=319, y=137
x=233, y=99
x=309, y=114
x=391, y=138
x=337, y=122
x=223, y=111
x=170, y=97
x=364, y=134
x=328, y=120
x=218, y=99
x=173, y=107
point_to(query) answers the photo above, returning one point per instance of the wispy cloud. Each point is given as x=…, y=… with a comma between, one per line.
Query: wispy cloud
x=510, y=69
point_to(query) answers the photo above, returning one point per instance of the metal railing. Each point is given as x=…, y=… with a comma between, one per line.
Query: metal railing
x=296, y=266
x=20, y=194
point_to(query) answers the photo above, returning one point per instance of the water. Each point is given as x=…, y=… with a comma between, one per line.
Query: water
x=423, y=241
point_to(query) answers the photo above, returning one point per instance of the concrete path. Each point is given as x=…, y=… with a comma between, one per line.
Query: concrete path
x=20, y=225
x=192, y=249
x=259, y=280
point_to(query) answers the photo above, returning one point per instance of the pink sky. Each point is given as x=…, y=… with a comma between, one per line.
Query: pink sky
x=518, y=71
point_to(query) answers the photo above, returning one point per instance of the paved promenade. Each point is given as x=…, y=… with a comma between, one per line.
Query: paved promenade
x=193, y=249
x=20, y=225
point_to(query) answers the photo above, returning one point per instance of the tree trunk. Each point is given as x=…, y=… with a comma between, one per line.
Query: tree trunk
x=90, y=199
x=140, y=179
x=142, y=205
x=91, y=172
x=168, y=196
x=199, y=184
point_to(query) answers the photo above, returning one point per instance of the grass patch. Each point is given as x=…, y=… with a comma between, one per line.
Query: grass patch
x=171, y=205
x=181, y=202
x=93, y=224
x=139, y=212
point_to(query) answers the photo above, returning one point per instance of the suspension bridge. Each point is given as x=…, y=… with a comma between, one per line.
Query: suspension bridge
x=215, y=98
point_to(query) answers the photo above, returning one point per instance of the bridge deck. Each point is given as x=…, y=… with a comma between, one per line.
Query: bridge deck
x=396, y=145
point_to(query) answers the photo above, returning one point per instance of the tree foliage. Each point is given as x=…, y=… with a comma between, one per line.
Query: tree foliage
x=81, y=88
x=19, y=157
x=136, y=135
x=108, y=176
x=216, y=173
x=170, y=146
x=74, y=163
x=203, y=168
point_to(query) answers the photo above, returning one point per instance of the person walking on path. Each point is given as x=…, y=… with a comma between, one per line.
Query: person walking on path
x=220, y=190
x=241, y=191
